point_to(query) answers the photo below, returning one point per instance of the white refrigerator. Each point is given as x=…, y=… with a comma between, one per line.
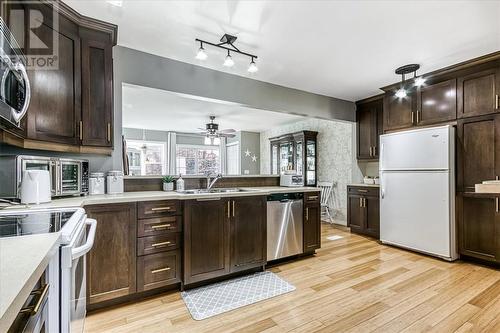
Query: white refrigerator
x=417, y=190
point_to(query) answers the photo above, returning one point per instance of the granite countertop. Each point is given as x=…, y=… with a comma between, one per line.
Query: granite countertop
x=364, y=185
x=160, y=195
x=20, y=273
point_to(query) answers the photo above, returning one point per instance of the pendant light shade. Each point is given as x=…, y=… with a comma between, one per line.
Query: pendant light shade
x=252, y=68
x=228, y=62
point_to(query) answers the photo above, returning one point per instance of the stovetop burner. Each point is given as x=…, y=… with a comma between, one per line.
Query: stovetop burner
x=30, y=223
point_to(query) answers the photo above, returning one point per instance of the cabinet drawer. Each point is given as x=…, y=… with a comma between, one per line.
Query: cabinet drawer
x=158, y=226
x=159, y=208
x=158, y=270
x=160, y=243
x=312, y=197
x=360, y=190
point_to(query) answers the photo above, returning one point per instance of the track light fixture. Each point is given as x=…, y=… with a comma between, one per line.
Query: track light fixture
x=227, y=43
x=404, y=70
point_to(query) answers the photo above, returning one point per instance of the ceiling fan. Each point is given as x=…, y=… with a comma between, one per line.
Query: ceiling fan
x=213, y=133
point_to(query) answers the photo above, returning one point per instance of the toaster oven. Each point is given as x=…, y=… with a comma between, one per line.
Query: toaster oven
x=291, y=180
x=68, y=177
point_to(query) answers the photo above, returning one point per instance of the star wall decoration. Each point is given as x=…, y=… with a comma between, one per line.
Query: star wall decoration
x=254, y=158
x=247, y=152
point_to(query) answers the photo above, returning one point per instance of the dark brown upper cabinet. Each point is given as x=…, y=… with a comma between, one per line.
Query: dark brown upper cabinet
x=436, y=102
x=248, y=232
x=55, y=108
x=111, y=264
x=97, y=90
x=71, y=106
x=479, y=93
x=477, y=149
x=399, y=113
x=479, y=226
x=369, y=127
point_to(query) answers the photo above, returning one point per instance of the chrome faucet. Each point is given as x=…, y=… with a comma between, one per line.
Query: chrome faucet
x=211, y=182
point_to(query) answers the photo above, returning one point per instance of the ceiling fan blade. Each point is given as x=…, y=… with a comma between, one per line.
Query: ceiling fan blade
x=227, y=130
x=227, y=135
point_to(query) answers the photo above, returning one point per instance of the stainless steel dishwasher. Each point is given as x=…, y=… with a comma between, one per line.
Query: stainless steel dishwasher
x=284, y=225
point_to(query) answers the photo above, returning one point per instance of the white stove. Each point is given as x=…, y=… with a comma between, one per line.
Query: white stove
x=67, y=273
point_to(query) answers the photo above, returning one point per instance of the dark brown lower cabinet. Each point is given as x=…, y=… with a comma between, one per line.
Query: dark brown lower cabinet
x=312, y=221
x=248, y=232
x=158, y=270
x=111, y=264
x=479, y=226
x=206, y=239
x=363, y=211
x=223, y=236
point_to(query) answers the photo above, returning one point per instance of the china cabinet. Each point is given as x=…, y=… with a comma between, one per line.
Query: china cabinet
x=295, y=152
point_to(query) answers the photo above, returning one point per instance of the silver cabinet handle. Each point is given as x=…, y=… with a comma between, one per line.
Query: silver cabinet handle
x=497, y=205
x=360, y=202
x=497, y=101
x=307, y=213
x=160, y=226
x=33, y=310
x=233, y=208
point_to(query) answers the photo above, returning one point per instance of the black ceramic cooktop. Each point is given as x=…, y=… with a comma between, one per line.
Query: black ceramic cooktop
x=30, y=223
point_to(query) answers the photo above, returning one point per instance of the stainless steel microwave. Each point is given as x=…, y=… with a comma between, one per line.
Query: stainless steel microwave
x=69, y=177
x=14, y=83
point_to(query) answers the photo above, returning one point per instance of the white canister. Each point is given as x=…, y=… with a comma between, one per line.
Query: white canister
x=114, y=182
x=35, y=187
x=97, y=183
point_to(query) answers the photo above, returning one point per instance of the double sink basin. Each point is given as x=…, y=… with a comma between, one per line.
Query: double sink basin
x=217, y=190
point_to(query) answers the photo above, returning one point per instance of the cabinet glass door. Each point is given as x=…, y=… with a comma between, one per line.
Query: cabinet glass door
x=274, y=161
x=311, y=163
x=286, y=157
x=299, y=163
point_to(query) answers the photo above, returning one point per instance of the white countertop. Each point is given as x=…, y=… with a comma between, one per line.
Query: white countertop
x=22, y=261
x=364, y=185
x=160, y=195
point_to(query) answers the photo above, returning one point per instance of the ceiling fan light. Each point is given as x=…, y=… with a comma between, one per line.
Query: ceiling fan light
x=252, y=68
x=401, y=93
x=207, y=141
x=228, y=62
x=201, y=55
x=419, y=81
x=216, y=141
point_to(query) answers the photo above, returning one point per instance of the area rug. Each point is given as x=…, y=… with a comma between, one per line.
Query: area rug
x=334, y=237
x=208, y=301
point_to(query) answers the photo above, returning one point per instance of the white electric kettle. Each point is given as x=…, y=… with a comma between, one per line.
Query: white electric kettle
x=35, y=187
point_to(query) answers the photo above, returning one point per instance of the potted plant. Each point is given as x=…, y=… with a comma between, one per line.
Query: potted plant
x=168, y=183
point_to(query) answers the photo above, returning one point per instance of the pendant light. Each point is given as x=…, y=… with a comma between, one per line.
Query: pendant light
x=228, y=62
x=252, y=68
x=404, y=70
x=201, y=55
x=227, y=43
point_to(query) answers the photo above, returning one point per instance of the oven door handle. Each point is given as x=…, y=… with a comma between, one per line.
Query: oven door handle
x=82, y=250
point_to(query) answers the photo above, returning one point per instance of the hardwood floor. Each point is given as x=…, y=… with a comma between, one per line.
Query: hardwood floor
x=353, y=284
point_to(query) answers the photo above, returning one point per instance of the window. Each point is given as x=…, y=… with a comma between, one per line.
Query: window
x=197, y=160
x=146, y=158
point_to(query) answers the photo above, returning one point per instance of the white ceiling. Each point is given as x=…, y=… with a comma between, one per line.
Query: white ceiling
x=162, y=110
x=344, y=49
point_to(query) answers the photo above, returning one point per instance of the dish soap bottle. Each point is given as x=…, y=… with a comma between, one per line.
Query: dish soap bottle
x=180, y=184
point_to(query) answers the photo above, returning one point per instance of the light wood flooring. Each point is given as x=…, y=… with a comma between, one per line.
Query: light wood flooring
x=353, y=284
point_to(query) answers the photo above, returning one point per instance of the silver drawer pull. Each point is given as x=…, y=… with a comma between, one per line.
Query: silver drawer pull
x=159, y=209
x=160, y=244
x=160, y=226
x=363, y=191
x=313, y=197
x=159, y=270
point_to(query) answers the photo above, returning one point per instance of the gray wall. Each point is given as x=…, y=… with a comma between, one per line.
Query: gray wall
x=144, y=69
x=250, y=141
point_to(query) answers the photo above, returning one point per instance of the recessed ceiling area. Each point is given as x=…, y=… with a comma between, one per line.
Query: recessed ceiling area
x=343, y=49
x=156, y=109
